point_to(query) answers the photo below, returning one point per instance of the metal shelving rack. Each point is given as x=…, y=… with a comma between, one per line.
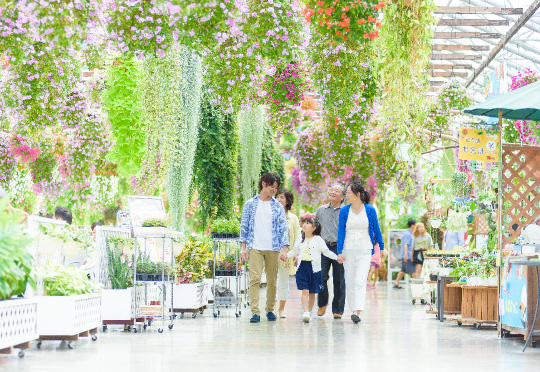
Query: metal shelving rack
x=166, y=280
x=220, y=242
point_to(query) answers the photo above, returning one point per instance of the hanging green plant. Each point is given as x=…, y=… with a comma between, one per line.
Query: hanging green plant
x=161, y=114
x=186, y=137
x=272, y=159
x=251, y=125
x=215, y=162
x=122, y=100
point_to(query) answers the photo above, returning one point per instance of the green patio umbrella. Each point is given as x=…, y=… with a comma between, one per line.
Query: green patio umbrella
x=520, y=104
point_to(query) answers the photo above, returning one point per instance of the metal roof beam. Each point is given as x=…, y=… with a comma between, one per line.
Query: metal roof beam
x=513, y=30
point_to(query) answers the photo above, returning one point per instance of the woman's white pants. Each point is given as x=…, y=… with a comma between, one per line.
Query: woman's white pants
x=356, y=272
x=283, y=284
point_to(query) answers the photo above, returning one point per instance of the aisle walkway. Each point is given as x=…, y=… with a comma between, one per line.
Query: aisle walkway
x=393, y=336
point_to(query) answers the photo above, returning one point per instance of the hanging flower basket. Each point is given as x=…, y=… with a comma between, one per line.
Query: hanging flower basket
x=343, y=19
x=71, y=249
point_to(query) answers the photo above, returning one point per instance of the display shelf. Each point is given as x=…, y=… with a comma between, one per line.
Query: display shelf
x=18, y=324
x=190, y=297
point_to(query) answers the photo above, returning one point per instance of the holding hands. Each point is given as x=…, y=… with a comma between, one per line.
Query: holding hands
x=341, y=258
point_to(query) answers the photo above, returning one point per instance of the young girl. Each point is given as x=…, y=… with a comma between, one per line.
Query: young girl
x=374, y=268
x=309, y=247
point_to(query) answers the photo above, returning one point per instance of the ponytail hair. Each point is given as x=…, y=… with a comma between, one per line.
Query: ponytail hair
x=358, y=189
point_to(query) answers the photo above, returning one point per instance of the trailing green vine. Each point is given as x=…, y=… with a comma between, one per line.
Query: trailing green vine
x=215, y=162
x=186, y=137
x=122, y=99
x=272, y=159
x=161, y=113
x=251, y=125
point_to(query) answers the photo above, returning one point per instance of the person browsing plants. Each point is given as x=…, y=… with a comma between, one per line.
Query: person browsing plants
x=309, y=247
x=407, y=266
x=263, y=232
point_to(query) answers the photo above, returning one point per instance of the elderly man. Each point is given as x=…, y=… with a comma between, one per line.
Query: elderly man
x=328, y=216
x=264, y=232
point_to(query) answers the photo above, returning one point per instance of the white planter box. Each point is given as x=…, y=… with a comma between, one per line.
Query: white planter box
x=18, y=321
x=190, y=296
x=68, y=315
x=117, y=304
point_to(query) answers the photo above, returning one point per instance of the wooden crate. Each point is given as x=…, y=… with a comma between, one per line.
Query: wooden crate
x=487, y=304
x=468, y=303
x=480, y=303
x=452, y=298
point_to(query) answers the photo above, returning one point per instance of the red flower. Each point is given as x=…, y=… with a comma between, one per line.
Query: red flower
x=361, y=21
x=320, y=10
x=320, y=3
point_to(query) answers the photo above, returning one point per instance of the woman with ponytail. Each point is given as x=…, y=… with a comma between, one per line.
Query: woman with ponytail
x=358, y=234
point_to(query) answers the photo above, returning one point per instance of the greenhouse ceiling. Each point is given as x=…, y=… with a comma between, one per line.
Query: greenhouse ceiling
x=474, y=37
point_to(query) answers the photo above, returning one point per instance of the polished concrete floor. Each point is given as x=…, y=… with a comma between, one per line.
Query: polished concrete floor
x=394, y=336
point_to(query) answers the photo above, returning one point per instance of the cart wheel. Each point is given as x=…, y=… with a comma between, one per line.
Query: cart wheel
x=182, y=316
x=506, y=334
x=105, y=328
x=71, y=345
x=94, y=337
x=160, y=330
x=201, y=312
x=459, y=324
x=21, y=353
x=534, y=344
x=413, y=302
x=129, y=328
x=38, y=345
x=145, y=325
x=436, y=316
x=151, y=321
x=171, y=326
x=245, y=306
x=478, y=326
x=240, y=312
x=194, y=315
x=215, y=315
x=218, y=312
x=173, y=316
x=237, y=315
x=423, y=302
x=135, y=330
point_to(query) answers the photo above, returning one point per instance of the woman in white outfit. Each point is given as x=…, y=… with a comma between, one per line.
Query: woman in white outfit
x=287, y=268
x=358, y=233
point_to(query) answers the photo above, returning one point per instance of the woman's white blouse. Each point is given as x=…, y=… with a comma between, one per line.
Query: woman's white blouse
x=357, y=232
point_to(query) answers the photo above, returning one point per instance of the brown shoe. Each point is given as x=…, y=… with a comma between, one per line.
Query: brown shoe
x=321, y=311
x=337, y=316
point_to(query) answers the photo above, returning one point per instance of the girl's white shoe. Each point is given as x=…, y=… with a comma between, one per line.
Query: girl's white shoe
x=306, y=317
x=282, y=315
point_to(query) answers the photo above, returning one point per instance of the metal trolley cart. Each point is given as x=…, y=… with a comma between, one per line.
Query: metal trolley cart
x=227, y=249
x=159, y=242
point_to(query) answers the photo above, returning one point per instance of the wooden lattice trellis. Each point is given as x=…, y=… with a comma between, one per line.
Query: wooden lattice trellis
x=521, y=186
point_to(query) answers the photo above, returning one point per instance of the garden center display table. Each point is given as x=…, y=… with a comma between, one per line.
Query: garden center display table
x=448, y=297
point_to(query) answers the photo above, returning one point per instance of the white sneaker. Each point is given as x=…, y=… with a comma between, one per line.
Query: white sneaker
x=306, y=317
x=282, y=316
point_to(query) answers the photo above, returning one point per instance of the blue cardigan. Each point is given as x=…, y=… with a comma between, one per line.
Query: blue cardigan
x=374, y=229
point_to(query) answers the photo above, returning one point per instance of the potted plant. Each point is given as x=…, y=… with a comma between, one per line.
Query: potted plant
x=157, y=226
x=190, y=291
x=49, y=240
x=117, y=302
x=15, y=277
x=150, y=271
x=71, y=303
x=125, y=245
x=223, y=228
x=457, y=221
x=178, y=243
x=75, y=240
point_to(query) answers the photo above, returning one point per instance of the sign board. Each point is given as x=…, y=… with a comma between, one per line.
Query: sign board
x=142, y=208
x=513, y=297
x=122, y=220
x=479, y=144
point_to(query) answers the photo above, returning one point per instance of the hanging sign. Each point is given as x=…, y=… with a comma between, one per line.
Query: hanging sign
x=142, y=208
x=479, y=144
